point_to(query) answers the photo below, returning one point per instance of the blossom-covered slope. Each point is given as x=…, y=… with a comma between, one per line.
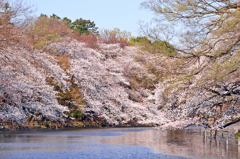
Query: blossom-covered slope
x=104, y=76
x=23, y=89
x=100, y=74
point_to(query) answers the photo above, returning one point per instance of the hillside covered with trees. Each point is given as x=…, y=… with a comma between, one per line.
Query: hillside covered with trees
x=56, y=69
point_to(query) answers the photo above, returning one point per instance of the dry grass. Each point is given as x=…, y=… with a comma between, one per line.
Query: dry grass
x=63, y=62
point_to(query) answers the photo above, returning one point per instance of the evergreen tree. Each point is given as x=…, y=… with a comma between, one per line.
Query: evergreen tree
x=67, y=21
x=54, y=16
x=81, y=26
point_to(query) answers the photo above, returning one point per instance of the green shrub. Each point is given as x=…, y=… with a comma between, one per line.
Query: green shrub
x=162, y=48
x=46, y=124
x=76, y=114
x=237, y=135
x=138, y=40
x=155, y=47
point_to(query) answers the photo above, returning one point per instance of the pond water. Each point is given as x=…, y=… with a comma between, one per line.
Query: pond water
x=117, y=143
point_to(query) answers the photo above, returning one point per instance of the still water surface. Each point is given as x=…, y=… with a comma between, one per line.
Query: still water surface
x=116, y=143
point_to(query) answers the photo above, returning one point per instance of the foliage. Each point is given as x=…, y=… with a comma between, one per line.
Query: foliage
x=237, y=135
x=138, y=40
x=76, y=114
x=81, y=26
x=155, y=47
x=161, y=47
x=67, y=21
x=82, y=30
x=46, y=124
x=45, y=30
x=54, y=16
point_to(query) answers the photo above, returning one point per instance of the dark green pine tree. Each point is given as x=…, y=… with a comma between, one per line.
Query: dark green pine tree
x=43, y=15
x=54, y=16
x=81, y=26
x=67, y=21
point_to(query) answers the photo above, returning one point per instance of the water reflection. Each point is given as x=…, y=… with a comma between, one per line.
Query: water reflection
x=119, y=143
x=194, y=143
x=73, y=144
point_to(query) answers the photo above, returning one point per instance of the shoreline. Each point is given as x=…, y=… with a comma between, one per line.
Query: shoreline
x=72, y=128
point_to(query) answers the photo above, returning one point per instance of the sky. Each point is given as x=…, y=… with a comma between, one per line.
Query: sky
x=106, y=14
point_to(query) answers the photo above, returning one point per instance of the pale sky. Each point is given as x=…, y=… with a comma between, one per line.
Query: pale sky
x=107, y=14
